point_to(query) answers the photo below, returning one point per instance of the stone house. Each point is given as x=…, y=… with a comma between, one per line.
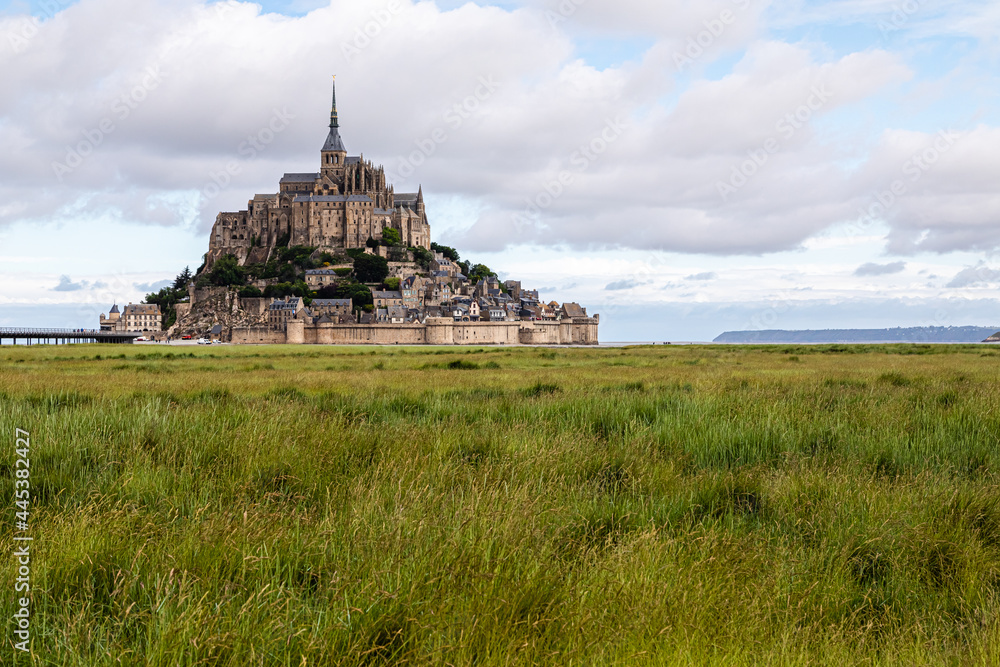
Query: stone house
x=110, y=323
x=494, y=314
x=385, y=299
x=319, y=278
x=413, y=290
x=282, y=310
x=331, y=307
x=137, y=318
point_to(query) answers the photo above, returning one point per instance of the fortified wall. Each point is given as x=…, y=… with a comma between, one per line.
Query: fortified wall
x=437, y=331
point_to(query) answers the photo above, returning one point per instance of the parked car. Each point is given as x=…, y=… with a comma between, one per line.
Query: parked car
x=141, y=338
x=204, y=341
x=186, y=337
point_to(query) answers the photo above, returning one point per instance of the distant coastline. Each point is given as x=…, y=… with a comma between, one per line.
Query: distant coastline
x=968, y=334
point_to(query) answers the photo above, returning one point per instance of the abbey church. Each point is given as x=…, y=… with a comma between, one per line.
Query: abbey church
x=343, y=205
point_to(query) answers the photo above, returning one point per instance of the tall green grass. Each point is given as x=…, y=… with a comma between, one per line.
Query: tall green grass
x=324, y=506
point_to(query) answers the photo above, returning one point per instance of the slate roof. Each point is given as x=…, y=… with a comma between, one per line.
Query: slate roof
x=332, y=303
x=332, y=198
x=574, y=310
x=334, y=142
x=114, y=309
x=299, y=178
x=142, y=309
x=387, y=295
x=291, y=304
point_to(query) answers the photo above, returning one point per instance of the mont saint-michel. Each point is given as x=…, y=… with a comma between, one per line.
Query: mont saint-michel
x=338, y=256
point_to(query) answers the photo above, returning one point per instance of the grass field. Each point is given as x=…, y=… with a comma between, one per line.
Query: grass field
x=323, y=506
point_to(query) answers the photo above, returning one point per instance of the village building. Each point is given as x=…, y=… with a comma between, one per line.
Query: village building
x=319, y=278
x=331, y=307
x=281, y=311
x=384, y=299
x=137, y=318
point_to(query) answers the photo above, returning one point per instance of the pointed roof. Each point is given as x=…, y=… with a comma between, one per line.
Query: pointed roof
x=114, y=309
x=333, y=140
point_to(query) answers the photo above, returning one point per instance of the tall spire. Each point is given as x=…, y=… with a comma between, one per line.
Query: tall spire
x=333, y=141
x=334, y=122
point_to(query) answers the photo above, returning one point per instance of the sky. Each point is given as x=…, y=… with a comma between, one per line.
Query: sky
x=680, y=167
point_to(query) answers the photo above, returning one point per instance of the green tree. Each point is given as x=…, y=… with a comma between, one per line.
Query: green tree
x=423, y=258
x=391, y=237
x=227, y=271
x=359, y=294
x=371, y=269
x=478, y=272
x=299, y=256
x=168, y=297
x=182, y=279
x=250, y=292
x=371, y=243
x=391, y=284
x=450, y=253
x=287, y=273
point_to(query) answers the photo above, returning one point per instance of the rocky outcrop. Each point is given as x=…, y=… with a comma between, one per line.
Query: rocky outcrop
x=219, y=305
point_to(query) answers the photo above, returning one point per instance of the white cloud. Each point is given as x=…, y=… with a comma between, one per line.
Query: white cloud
x=873, y=269
x=972, y=276
x=67, y=285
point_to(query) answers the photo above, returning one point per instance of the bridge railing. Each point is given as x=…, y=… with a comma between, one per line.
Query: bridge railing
x=7, y=331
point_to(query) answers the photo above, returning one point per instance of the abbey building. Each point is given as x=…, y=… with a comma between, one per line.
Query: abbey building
x=345, y=203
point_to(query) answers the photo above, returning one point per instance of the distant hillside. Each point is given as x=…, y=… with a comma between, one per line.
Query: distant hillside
x=897, y=335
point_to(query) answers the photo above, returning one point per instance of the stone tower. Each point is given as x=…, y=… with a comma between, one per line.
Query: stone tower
x=345, y=203
x=334, y=154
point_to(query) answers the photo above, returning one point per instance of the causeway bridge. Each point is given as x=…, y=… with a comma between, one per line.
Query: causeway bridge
x=64, y=336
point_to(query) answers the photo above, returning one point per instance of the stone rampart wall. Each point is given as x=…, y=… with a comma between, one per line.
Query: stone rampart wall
x=441, y=331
